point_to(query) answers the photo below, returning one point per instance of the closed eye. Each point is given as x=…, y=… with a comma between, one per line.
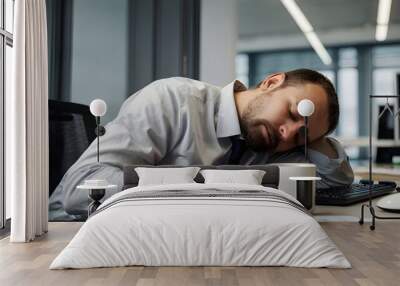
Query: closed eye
x=294, y=116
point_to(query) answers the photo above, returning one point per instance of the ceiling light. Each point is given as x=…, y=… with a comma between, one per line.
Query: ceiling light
x=382, y=19
x=305, y=26
x=319, y=48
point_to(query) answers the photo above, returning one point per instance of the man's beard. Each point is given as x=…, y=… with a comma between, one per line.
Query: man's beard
x=253, y=128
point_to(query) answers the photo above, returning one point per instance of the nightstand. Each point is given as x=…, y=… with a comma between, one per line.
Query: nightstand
x=305, y=192
x=96, y=193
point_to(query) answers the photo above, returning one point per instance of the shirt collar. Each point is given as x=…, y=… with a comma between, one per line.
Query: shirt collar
x=228, y=119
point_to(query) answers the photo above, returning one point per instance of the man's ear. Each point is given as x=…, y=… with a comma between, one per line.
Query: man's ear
x=272, y=81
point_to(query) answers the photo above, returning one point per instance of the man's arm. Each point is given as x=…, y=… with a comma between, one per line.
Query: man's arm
x=141, y=134
x=332, y=163
x=324, y=146
x=330, y=159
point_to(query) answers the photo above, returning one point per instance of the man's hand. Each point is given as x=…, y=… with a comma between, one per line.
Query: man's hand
x=324, y=146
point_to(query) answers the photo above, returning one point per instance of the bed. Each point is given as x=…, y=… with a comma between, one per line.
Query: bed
x=201, y=224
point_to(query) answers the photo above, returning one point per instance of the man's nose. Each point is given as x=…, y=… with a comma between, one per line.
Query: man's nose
x=288, y=131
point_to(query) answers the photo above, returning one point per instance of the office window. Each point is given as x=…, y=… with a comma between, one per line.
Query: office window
x=384, y=81
x=347, y=90
x=263, y=64
x=348, y=100
x=386, y=67
x=329, y=74
x=386, y=56
x=6, y=61
x=386, y=64
x=242, y=68
x=348, y=58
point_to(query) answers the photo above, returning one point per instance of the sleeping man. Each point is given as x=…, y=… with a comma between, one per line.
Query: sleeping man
x=180, y=121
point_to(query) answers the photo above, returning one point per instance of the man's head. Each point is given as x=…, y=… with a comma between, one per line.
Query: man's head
x=270, y=120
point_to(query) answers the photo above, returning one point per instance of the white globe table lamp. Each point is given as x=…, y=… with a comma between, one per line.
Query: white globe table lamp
x=97, y=187
x=98, y=108
x=305, y=192
x=306, y=108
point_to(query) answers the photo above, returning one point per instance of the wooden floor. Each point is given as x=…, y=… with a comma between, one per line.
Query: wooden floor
x=375, y=257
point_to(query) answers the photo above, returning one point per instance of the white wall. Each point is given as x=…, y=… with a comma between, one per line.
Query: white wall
x=218, y=39
x=99, y=67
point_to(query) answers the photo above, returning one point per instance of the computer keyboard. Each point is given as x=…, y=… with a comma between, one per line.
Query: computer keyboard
x=342, y=196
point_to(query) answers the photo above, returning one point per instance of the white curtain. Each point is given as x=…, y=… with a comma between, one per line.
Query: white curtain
x=27, y=123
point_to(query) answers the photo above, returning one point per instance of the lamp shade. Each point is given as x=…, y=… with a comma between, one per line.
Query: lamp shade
x=305, y=107
x=98, y=107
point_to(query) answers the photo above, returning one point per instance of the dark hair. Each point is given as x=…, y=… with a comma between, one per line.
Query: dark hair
x=301, y=76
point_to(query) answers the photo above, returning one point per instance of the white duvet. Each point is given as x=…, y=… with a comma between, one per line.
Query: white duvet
x=200, y=231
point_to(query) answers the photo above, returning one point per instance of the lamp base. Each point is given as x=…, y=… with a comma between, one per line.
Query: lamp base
x=304, y=192
x=96, y=195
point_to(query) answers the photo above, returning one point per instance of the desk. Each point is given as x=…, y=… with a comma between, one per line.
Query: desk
x=353, y=212
x=379, y=173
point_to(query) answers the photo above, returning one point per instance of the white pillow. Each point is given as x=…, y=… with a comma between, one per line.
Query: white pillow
x=163, y=176
x=248, y=177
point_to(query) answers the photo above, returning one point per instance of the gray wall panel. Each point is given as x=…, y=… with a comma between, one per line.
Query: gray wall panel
x=168, y=38
x=100, y=53
x=110, y=49
x=141, y=41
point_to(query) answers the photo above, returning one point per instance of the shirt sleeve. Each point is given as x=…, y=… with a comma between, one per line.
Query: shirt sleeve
x=334, y=172
x=138, y=135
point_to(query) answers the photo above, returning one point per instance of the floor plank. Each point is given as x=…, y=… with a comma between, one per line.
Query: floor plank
x=375, y=257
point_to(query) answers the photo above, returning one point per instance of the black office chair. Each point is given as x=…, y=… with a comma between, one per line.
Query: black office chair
x=71, y=130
